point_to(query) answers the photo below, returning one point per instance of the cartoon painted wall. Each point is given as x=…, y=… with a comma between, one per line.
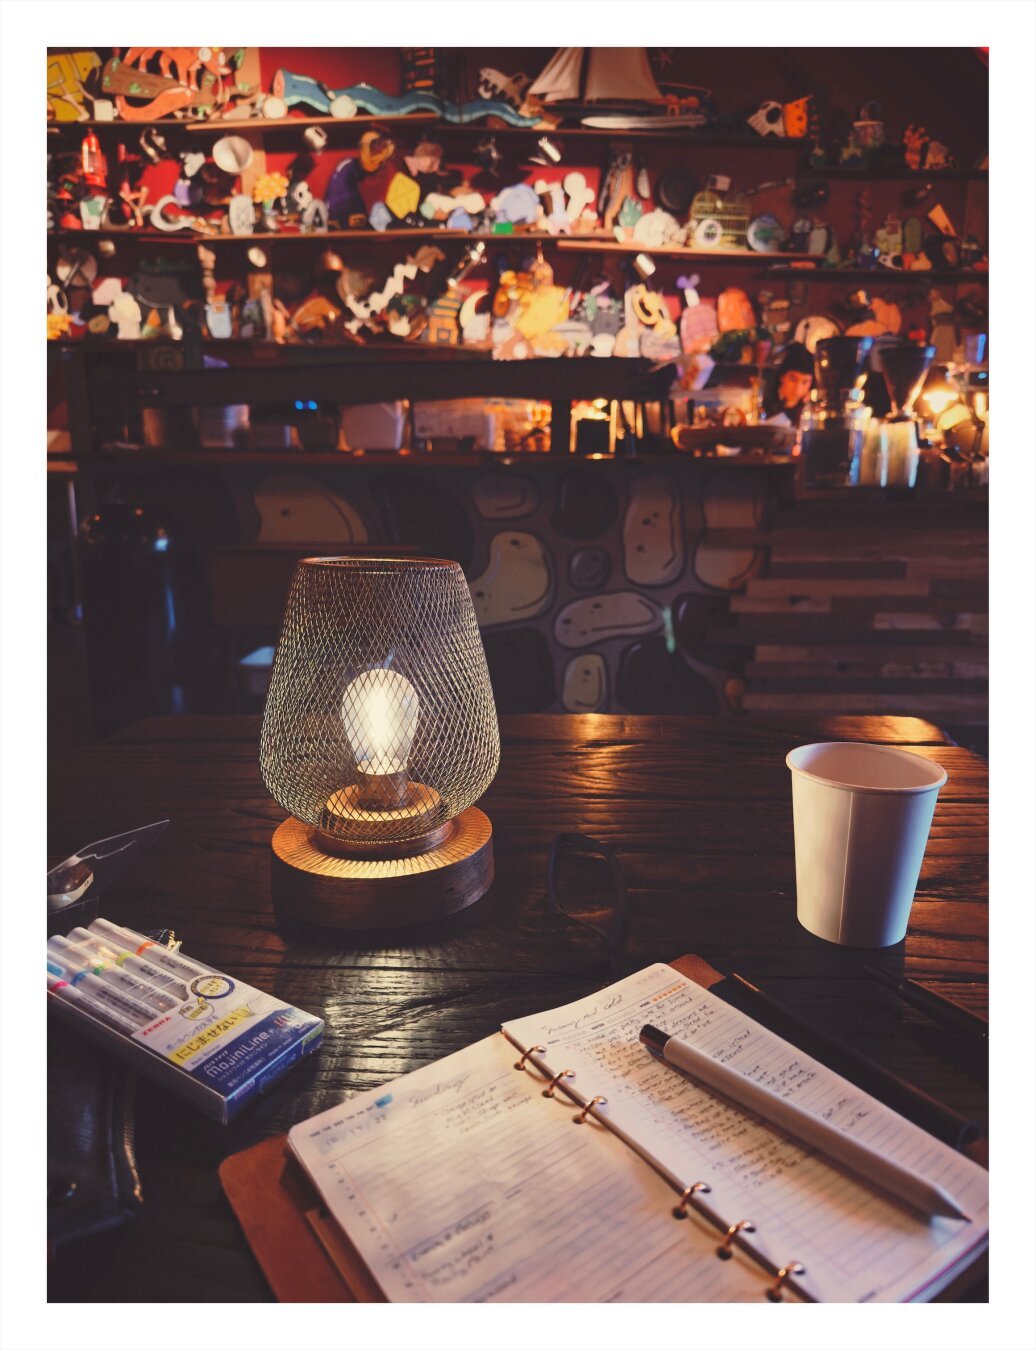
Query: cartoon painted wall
x=613, y=562
x=599, y=586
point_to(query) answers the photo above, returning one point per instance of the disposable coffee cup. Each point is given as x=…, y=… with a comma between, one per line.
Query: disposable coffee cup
x=862, y=816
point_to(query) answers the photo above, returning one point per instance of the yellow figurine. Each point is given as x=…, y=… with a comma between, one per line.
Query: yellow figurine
x=402, y=196
x=67, y=73
x=269, y=186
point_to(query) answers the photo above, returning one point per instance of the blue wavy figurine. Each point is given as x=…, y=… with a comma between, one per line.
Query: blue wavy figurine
x=303, y=90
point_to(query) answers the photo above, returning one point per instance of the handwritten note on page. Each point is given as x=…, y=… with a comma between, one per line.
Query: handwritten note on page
x=462, y=1182
x=856, y=1245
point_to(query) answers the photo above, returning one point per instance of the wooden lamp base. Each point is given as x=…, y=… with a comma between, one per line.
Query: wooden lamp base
x=338, y=892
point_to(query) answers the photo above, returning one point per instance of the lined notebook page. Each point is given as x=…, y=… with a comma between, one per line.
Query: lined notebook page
x=461, y=1182
x=855, y=1244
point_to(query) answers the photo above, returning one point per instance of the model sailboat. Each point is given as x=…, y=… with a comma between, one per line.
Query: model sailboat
x=610, y=77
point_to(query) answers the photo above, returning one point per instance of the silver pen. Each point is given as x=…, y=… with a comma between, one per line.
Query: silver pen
x=859, y=1158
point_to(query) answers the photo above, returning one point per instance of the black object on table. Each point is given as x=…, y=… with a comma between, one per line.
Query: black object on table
x=918, y=1106
x=941, y=1010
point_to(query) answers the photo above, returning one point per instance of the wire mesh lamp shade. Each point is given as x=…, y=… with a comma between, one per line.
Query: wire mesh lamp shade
x=379, y=735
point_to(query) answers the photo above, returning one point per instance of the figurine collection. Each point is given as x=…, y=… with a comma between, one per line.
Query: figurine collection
x=443, y=285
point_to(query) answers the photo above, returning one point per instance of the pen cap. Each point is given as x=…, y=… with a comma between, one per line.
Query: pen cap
x=655, y=1039
x=123, y=938
x=862, y=815
x=172, y=981
x=82, y=937
x=128, y=940
x=71, y=959
x=78, y=955
x=62, y=945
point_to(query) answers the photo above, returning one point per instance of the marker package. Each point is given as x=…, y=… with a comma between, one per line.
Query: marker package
x=210, y=1038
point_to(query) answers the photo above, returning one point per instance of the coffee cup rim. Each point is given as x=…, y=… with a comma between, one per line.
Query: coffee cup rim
x=909, y=790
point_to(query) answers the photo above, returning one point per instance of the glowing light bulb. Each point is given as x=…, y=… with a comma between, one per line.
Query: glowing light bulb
x=379, y=713
x=939, y=397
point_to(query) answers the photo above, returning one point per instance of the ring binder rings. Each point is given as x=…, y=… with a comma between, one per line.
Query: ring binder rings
x=548, y=1091
x=792, y=1268
x=520, y=1063
x=580, y=1116
x=724, y=1250
x=733, y=1234
x=680, y=1208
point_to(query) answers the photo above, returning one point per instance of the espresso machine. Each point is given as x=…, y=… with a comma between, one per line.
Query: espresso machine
x=833, y=422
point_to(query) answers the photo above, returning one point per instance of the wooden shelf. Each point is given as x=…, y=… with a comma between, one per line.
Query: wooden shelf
x=687, y=137
x=230, y=126
x=800, y=264
x=592, y=244
x=879, y=275
x=253, y=126
x=416, y=459
x=568, y=243
x=902, y=174
x=296, y=353
x=180, y=237
x=577, y=243
x=322, y=353
x=311, y=458
x=375, y=374
x=227, y=126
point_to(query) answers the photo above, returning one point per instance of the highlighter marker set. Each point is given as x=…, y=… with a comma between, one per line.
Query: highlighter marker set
x=210, y=1038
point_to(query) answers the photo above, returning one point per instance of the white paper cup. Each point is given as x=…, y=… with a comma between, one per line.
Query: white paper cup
x=862, y=816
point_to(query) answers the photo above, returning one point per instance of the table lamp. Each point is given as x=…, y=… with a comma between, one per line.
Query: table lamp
x=378, y=736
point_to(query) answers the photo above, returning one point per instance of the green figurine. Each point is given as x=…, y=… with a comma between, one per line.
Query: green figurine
x=630, y=212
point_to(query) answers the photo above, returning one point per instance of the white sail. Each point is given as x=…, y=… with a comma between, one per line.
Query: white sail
x=620, y=74
x=597, y=75
x=560, y=76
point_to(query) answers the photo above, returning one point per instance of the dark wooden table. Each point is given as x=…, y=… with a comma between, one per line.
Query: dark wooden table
x=699, y=811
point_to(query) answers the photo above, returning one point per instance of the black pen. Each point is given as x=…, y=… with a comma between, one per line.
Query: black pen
x=942, y=1010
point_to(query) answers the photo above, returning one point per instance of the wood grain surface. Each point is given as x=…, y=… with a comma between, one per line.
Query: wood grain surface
x=699, y=811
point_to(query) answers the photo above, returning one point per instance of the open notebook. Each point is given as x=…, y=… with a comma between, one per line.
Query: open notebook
x=463, y=1182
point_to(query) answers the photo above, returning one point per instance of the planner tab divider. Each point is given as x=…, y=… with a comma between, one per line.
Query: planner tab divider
x=734, y=1235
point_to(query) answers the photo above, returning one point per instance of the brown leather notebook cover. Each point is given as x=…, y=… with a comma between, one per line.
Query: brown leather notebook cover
x=279, y=1210
x=303, y=1253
